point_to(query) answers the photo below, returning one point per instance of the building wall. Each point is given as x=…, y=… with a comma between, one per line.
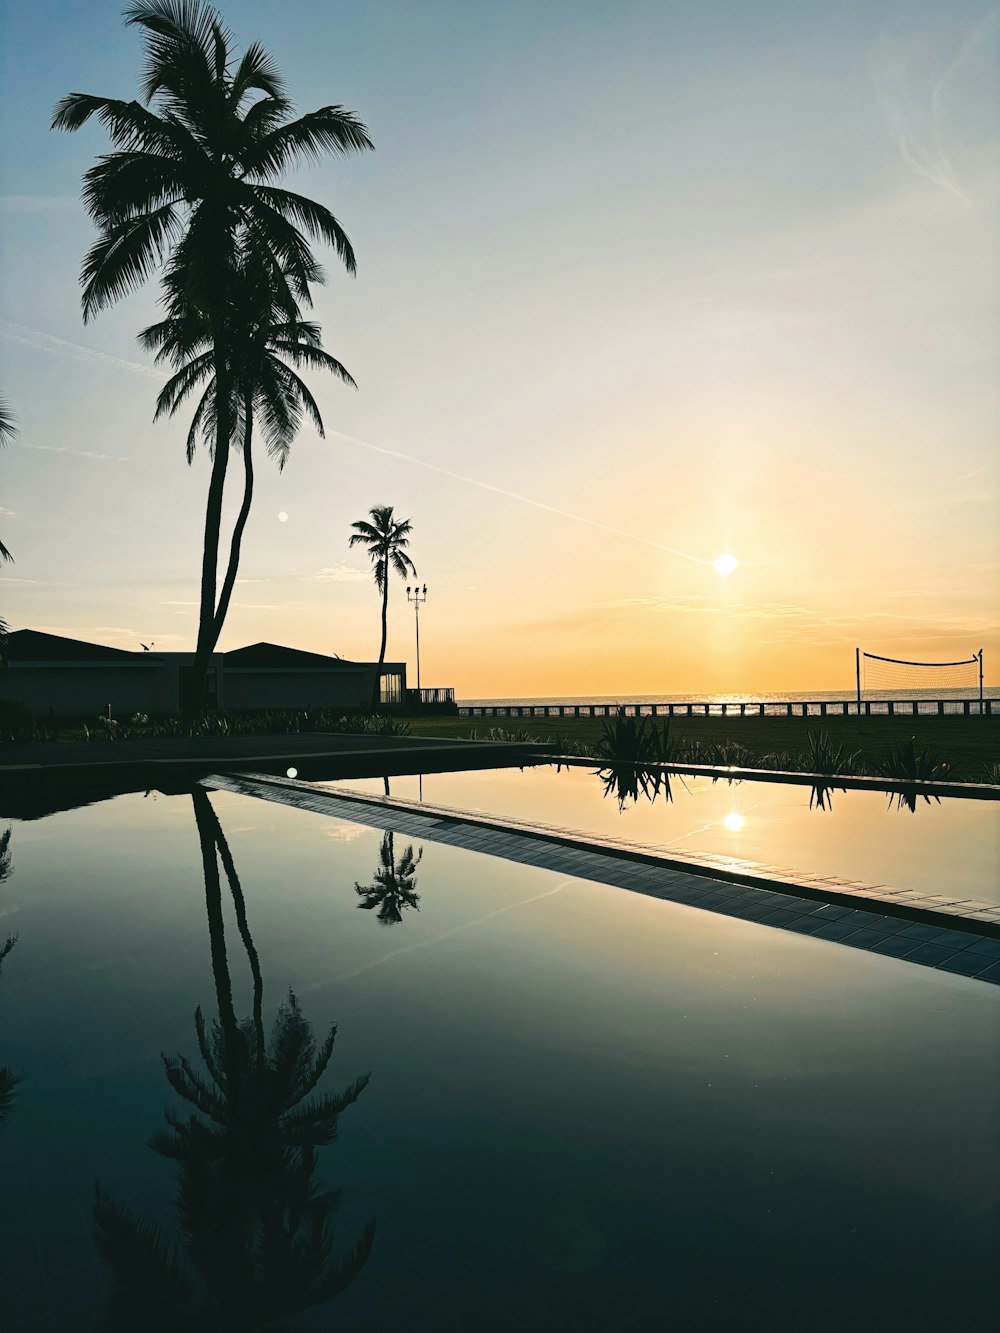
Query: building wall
x=80, y=690
x=273, y=688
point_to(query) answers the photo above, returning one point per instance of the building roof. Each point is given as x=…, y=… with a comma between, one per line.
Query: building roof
x=275, y=655
x=31, y=645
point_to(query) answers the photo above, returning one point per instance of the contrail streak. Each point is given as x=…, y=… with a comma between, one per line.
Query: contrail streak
x=516, y=495
x=449, y=934
x=47, y=342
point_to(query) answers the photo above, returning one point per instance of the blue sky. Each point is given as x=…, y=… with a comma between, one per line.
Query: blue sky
x=696, y=277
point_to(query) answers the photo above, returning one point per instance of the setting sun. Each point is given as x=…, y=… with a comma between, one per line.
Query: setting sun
x=725, y=564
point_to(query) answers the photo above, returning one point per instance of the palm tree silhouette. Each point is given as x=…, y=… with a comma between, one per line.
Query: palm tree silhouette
x=190, y=186
x=394, y=885
x=266, y=337
x=254, y=1226
x=8, y=1078
x=385, y=538
x=7, y=432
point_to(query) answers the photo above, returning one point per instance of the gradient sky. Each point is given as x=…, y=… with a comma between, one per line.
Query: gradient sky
x=637, y=283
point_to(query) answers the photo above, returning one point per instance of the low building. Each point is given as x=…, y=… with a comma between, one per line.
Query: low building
x=58, y=676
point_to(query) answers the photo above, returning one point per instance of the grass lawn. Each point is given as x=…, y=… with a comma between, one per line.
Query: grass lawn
x=969, y=745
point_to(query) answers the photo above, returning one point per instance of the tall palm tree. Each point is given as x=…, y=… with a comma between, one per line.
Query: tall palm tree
x=394, y=887
x=262, y=384
x=255, y=1235
x=385, y=539
x=9, y=1078
x=7, y=432
x=189, y=188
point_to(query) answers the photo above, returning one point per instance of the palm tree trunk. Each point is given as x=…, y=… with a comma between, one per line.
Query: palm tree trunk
x=234, y=551
x=205, y=817
x=193, y=688
x=385, y=609
x=239, y=902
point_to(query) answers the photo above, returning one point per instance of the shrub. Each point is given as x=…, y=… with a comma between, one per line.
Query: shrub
x=821, y=756
x=634, y=740
x=903, y=761
x=17, y=723
x=520, y=737
x=376, y=724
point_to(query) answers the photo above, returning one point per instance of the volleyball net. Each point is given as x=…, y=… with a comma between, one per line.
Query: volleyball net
x=879, y=677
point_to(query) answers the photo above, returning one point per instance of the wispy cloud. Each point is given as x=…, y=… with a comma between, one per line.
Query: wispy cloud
x=7, y=513
x=38, y=203
x=36, y=583
x=337, y=574
x=65, y=449
x=914, y=102
x=346, y=832
x=48, y=342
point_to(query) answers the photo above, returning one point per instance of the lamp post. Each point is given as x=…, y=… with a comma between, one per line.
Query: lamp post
x=417, y=596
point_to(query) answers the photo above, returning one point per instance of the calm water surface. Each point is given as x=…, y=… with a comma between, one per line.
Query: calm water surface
x=587, y=1109
x=950, y=845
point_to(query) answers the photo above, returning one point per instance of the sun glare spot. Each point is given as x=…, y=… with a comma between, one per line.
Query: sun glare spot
x=734, y=822
x=283, y=518
x=725, y=564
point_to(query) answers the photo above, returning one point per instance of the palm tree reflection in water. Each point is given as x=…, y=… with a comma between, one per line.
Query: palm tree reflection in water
x=626, y=782
x=394, y=886
x=8, y=1078
x=255, y=1244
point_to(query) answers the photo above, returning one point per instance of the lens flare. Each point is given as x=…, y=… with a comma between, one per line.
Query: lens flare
x=725, y=564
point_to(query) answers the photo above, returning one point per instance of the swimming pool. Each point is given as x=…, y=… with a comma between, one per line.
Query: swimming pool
x=868, y=836
x=587, y=1109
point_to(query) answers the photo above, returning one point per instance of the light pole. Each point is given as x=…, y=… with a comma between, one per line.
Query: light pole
x=417, y=596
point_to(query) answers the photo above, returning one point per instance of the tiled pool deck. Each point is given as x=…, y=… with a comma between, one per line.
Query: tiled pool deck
x=936, y=931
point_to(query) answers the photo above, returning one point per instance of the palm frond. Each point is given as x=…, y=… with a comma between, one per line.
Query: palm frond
x=130, y=125
x=142, y=1259
x=124, y=256
x=305, y=354
x=258, y=72
x=8, y=428
x=331, y=129
x=125, y=185
x=182, y=383
x=316, y=220
x=403, y=565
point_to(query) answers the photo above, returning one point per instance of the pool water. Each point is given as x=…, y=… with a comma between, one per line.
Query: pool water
x=587, y=1109
x=952, y=844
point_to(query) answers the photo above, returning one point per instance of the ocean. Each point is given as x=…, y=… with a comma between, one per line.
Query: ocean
x=781, y=696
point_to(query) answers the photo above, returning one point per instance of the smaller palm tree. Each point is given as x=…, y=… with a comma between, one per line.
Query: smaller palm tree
x=394, y=887
x=385, y=538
